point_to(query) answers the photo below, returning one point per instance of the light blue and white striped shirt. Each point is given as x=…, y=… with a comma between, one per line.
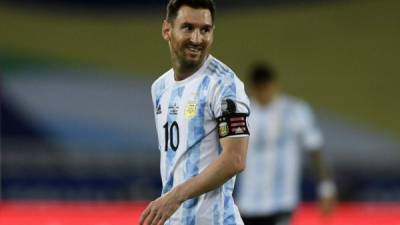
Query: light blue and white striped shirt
x=280, y=131
x=185, y=113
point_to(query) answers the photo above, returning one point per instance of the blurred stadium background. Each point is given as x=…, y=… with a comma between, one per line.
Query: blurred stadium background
x=78, y=142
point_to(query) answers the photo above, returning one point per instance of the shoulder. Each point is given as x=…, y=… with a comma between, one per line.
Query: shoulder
x=294, y=102
x=221, y=75
x=299, y=107
x=161, y=82
x=220, y=72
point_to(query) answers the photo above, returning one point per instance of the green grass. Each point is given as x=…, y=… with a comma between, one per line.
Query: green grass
x=341, y=57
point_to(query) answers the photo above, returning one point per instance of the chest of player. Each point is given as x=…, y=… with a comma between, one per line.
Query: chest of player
x=185, y=101
x=178, y=104
x=181, y=114
x=274, y=127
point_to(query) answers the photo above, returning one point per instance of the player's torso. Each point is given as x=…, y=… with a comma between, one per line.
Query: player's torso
x=186, y=119
x=188, y=142
x=186, y=129
x=273, y=158
x=275, y=126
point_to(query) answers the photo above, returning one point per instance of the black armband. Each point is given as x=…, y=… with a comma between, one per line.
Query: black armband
x=232, y=125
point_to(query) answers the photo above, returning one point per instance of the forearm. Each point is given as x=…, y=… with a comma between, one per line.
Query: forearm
x=227, y=165
x=320, y=166
x=326, y=185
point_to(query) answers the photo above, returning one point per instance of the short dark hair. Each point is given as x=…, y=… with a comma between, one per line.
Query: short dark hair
x=174, y=6
x=261, y=73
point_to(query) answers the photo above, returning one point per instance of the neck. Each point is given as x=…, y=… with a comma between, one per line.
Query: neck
x=266, y=101
x=182, y=73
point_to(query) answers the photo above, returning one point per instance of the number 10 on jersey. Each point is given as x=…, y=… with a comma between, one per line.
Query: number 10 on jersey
x=171, y=136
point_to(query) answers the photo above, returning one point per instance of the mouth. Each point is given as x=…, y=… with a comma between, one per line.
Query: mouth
x=194, y=50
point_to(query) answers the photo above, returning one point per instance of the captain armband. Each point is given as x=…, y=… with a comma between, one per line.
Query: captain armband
x=232, y=123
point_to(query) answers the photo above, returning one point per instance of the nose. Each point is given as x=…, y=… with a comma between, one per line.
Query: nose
x=195, y=38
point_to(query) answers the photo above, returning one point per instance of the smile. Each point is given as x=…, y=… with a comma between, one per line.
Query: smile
x=193, y=49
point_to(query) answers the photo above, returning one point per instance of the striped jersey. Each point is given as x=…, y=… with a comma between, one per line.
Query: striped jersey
x=186, y=115
x=270, y=183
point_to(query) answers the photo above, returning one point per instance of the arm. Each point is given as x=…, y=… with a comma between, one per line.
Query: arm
x=312, y=140
x=231, y=162
x=228, y=164
x=326, y=185
x=319, y=165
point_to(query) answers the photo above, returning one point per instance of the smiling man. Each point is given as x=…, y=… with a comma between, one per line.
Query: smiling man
x=201, y=112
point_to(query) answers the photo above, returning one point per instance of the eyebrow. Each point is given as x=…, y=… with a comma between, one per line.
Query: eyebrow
x=194, y=24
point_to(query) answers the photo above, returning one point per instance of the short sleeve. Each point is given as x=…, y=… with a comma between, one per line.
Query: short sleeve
x=232, y=89
x=230, y=108
x=152, y=94
x=310, y=134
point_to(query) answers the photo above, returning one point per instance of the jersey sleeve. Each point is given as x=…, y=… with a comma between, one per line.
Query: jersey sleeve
x=310, y=134
x=157, y=88
x=152, y=95
x=230, y=108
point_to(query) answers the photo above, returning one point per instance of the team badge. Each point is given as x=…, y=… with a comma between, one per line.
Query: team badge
x=223, y=129
x=190, y=110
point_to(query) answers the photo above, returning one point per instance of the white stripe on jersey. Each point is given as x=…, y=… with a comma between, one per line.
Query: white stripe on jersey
x=270, y=182
x=185, y=113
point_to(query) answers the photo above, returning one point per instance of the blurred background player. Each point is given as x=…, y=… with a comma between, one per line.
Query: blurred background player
x=281, y=127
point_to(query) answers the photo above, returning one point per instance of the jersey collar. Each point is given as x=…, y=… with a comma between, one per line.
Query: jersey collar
x=198, y=73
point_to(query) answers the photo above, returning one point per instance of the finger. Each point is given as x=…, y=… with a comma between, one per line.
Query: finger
x=151, y=216
x=144, y=215
x=156, y=219
x=162, y=220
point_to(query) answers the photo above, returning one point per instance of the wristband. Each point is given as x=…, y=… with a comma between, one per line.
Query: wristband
x=326, y=188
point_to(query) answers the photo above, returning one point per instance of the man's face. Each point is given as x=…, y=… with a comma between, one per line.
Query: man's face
x=190, y=36
x=264, y=92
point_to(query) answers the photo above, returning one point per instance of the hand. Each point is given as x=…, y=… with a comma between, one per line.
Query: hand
x=161, y=209
x=327, y=205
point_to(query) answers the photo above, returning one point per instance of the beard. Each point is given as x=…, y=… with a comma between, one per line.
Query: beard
x=188, y=64
x=190, y=56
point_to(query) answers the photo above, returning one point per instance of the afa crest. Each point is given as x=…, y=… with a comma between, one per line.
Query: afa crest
x=190, y=110
x=223, y=129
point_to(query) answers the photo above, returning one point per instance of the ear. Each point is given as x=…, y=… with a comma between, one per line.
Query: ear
x=166, y=30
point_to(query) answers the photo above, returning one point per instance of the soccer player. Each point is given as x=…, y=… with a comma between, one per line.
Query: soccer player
x=281, y=127
x=201, y=111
